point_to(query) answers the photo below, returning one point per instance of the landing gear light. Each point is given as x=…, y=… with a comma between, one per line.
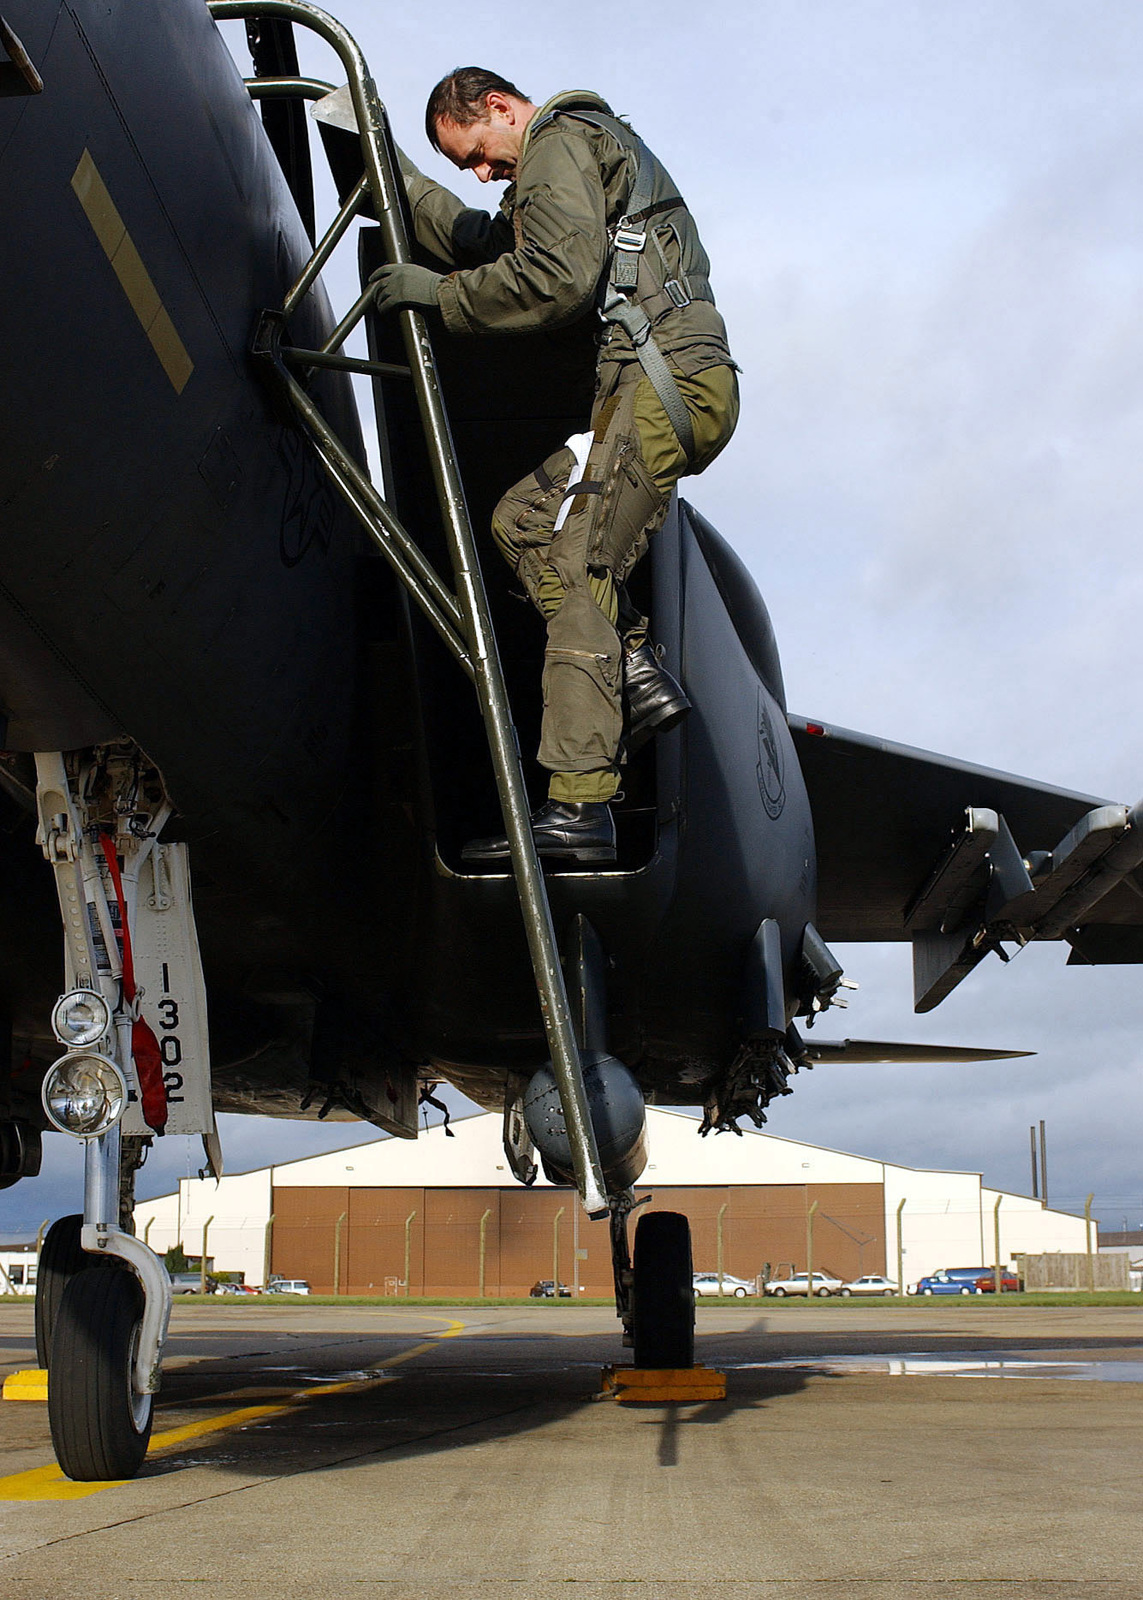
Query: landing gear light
x=81, y=1017
x=84, y=1094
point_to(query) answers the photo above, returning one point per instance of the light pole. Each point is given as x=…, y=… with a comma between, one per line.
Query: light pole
x=810, y=1214
x=901, y=1248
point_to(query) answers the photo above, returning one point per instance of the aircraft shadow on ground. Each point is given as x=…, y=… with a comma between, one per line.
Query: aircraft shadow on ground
x=431, y=1409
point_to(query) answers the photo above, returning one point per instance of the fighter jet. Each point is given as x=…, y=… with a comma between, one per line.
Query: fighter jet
x=229, y=658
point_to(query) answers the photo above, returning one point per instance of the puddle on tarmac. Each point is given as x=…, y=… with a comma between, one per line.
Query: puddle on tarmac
x=977, y=1364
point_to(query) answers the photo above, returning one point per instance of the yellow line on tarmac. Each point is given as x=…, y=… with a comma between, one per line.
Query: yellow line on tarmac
x=49, y=1483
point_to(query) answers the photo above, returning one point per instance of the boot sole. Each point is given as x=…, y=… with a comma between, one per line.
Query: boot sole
x=552, y=853
x=661, y=722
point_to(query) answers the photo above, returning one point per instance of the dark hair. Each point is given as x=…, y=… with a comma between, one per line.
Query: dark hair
x=460, y=97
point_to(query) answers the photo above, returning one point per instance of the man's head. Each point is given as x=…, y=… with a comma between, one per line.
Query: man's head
x=477, y=119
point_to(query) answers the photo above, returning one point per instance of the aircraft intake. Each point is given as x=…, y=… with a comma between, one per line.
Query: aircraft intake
x=618, y=1116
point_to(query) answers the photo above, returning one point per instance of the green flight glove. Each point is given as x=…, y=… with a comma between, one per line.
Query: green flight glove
x=407, y=285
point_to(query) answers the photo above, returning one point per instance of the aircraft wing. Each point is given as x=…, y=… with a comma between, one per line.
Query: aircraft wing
x=955, y=858
x=879, y=1052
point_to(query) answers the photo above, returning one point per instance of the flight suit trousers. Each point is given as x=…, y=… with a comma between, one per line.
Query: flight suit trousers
x=573, y=576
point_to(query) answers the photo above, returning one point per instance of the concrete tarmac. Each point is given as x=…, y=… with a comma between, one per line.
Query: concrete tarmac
x=942, y=1452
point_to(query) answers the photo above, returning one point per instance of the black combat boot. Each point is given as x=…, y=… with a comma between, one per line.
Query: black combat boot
x=581, y=830
x=655, y=701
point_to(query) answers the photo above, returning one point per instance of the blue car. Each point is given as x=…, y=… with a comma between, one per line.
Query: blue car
x=951, y=1280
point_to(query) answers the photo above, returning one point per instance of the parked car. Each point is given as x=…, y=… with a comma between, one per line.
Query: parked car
x=545, y=1289
x=707, y=1283
x=799, y=1283
x=1009, y=1283
x=872, y=1283
x=236, y=1288
x=950, y=1280
x=191, y=1283
x=287, y=1286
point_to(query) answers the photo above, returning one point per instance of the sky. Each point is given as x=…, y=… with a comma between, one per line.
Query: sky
x=926, y=228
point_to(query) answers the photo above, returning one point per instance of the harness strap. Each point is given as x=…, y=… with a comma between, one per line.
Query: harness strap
x=636, y=324
x=628, y=239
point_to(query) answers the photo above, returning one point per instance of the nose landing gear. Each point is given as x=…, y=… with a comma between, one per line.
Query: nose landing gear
x=134, y=1031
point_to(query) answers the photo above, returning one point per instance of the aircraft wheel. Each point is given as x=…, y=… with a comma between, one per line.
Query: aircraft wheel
x=61, y=1257
x=664, y=1303
x=100, y=1426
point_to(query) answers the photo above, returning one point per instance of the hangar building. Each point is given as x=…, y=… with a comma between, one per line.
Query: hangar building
x=347, y=1221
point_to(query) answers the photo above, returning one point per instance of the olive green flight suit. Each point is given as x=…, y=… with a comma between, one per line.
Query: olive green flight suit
x=542, y=262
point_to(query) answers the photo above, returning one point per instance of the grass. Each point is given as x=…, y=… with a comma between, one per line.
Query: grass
x=1107, y=1297
x=1102, y=1298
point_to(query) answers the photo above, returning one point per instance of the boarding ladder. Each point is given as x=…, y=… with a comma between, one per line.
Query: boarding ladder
x=460, y=615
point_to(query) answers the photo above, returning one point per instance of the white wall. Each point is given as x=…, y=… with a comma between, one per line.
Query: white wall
x=236, y=1237
x=948, y=1221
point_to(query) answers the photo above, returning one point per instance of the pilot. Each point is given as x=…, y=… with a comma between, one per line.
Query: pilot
x=590, y=218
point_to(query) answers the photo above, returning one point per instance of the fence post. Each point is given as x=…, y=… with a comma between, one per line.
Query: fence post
x=810, y=1214
x=1090, y=1258
x=267, y=1249
x=408, y=1232
x=997, y=1269
x=483, y=1239
x=721, y=1214
x=337, y=1253
x=556, y=1253
x=202, y=1268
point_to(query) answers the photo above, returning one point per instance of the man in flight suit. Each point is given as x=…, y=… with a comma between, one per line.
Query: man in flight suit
x=590, y=218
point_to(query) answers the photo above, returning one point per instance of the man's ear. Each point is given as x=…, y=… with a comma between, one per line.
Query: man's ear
x=495, y=101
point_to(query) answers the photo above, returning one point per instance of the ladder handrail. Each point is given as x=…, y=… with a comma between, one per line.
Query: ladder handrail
x=476, y=621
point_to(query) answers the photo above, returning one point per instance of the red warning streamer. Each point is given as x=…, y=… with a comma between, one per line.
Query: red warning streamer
x=144, y=1045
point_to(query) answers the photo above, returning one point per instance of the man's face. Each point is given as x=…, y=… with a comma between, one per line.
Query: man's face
x=490, y=148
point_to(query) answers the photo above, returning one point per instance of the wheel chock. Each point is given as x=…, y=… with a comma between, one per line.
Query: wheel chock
x=662, y=1385
x=31, y=1384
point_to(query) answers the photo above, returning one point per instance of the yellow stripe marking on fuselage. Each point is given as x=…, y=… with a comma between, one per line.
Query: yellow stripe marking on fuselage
x=49, y=1483
x=127, y=264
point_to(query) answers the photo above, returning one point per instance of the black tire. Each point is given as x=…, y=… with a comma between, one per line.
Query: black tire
x=846, y=1294
x=740, y=1293
x=664, y=1300
x=100, y=1427
x=966, y=1291
x=61, y=1257
x=927, y=1291
x=823, y=1294
x=779, y=1294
